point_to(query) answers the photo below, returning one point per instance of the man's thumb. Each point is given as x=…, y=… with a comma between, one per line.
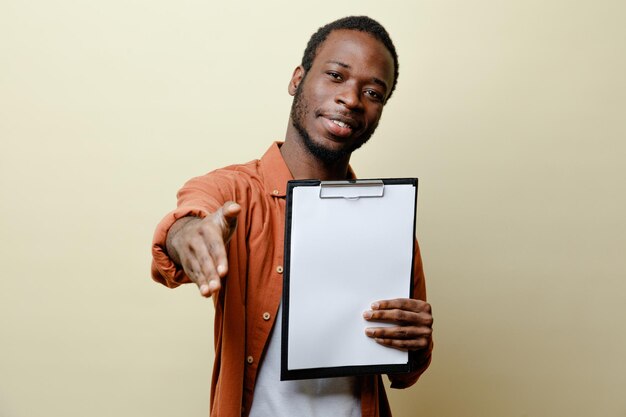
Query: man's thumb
x=228, y=218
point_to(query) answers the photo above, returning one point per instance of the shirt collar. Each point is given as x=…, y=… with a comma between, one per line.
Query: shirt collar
x=276, y=173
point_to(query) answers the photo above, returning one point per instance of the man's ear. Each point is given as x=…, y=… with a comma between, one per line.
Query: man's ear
x=296, y=79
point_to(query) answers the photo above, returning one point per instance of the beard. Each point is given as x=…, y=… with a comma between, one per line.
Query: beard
x=299, y=111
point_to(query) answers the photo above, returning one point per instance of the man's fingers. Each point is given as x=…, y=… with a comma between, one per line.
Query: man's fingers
x=401, y=337
x=214, y=287
x=207, y=286
x=217, y=253
x=208, y=265
x=413, y=319
x=195, y=272
x=396, y=316
x=401, y=311
x=216, y=232
x=398, y=332
x=200, y=247
x=400, y=317
x=404, y=344
x=409, y=304
x=201, y=265
x=214, y=250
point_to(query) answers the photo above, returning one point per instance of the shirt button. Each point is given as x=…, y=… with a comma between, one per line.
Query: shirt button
x=250, y=359
x=279, y=269
x=266, y=316
x=275, y=192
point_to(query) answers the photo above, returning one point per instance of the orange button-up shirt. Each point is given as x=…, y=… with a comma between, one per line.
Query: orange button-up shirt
x=246, y=306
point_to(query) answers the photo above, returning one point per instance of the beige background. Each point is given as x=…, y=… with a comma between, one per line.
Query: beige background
x=512, y=114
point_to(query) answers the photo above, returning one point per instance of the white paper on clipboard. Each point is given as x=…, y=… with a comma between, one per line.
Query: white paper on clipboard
x=348, y=245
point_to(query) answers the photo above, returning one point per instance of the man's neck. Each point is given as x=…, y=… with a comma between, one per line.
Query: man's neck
x=304, y=165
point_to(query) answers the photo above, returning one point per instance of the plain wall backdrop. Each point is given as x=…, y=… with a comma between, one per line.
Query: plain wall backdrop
x=511, y=113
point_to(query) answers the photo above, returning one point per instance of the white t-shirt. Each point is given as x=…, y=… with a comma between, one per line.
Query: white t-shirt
x=303, y=398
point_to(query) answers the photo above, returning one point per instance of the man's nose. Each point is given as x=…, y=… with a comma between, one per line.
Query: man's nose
x=349, y=96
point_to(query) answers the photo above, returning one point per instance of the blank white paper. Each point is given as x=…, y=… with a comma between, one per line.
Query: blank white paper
x=344, y=255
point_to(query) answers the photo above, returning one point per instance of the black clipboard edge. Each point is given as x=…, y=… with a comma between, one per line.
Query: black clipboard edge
x=286, y=268
x=338, y=371
x=342, y=371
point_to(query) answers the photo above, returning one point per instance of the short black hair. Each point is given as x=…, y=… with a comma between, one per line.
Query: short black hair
x=360, y=23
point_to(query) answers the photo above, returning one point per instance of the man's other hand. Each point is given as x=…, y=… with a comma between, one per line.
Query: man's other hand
x=413, y=323
x=199, y=246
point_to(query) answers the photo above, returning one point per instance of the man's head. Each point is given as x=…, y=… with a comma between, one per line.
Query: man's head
x=360, y=23
x=348, y=72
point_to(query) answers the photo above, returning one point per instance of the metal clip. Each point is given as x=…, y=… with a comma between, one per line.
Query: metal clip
x=352, y=189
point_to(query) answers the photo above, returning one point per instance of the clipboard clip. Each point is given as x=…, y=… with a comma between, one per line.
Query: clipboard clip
x=352, y=189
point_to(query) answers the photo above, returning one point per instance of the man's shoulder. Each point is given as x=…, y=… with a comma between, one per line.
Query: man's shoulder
x=236, y=173
x=263, y=174
x=248, y=168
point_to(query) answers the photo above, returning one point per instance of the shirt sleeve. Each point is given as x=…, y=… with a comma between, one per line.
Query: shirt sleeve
x=199, y=197
x=419, y=360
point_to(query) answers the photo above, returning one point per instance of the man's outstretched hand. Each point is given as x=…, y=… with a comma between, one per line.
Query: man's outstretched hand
x=413, y=323
x=199, y=246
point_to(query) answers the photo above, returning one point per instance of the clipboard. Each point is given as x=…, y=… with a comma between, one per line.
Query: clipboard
x=347, y=244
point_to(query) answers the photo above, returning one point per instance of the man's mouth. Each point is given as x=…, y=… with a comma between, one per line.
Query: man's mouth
x=340, y=126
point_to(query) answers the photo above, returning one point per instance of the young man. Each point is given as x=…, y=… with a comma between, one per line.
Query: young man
x=226, y=236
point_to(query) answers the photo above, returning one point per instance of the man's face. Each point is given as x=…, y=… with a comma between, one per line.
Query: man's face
x=338, y=102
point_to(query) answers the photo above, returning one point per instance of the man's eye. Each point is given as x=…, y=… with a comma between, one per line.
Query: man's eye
x=374, y=94
x=334, y=75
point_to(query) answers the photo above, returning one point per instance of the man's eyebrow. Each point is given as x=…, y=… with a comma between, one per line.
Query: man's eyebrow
x=381, y=83
x=374, y=79
x=341, y=64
